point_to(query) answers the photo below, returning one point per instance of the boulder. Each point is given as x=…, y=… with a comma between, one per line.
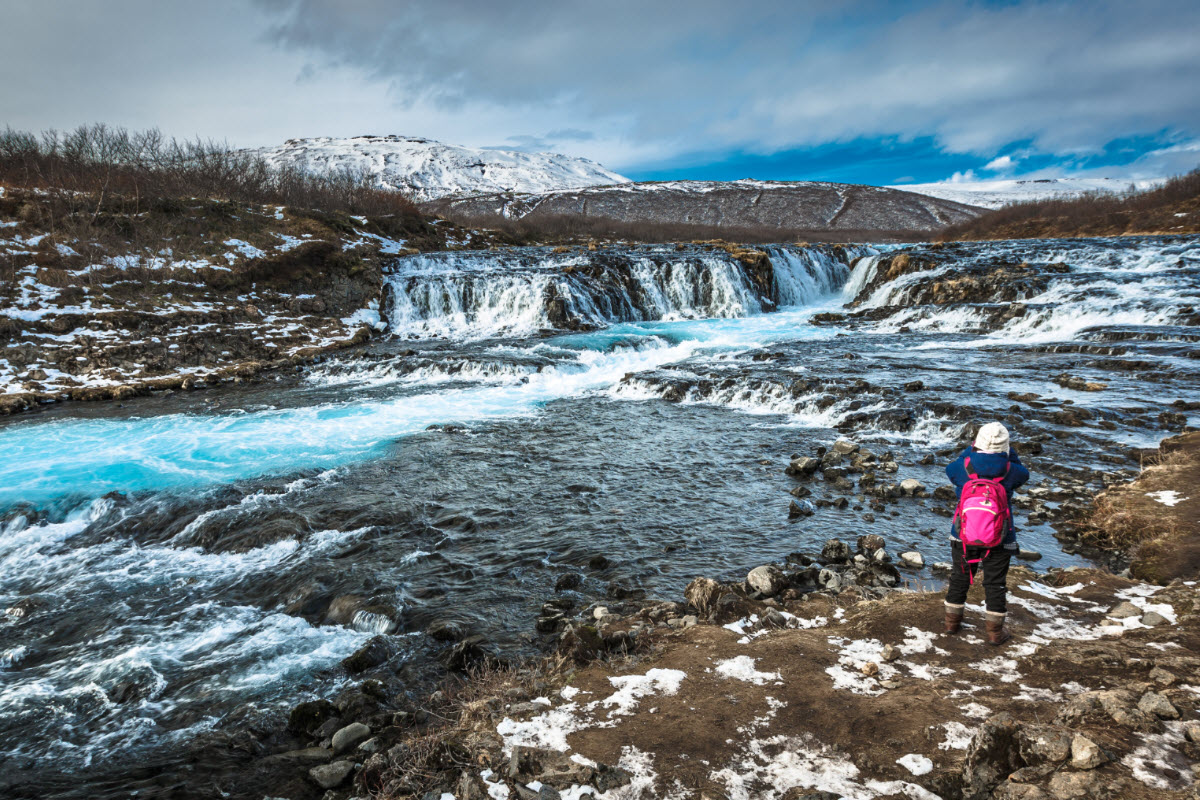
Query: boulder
x=1124, y=610
x=805, y=508
x=803, y=467
x=835, y=551
x=1028, y=555
x=350, y=736
x=768, y=580
x=911, y=487
x=867, y=545
x=885, y=575
x=1086, y=754
x=912, y=559
x=1158, y=705
x=329, y=776
x=1153, y=619
x=1040, y=744
x=844, y=447
x=829, y=580
x=471, y=651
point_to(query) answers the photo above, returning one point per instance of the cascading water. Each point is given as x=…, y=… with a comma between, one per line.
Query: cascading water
x=175, y=567
x=477, y=295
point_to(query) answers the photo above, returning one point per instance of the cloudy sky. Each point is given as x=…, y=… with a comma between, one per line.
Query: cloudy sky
x=858, y=90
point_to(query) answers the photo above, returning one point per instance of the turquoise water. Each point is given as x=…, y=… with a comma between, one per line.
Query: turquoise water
x=41, y=461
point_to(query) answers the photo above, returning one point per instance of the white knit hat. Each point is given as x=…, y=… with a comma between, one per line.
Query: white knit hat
x=992, y=438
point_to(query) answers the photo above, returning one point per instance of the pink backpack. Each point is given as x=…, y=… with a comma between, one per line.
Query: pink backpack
x=982, y=514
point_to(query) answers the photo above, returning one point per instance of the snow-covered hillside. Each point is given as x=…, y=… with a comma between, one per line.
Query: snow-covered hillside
x=996, y=193
x=428, y=170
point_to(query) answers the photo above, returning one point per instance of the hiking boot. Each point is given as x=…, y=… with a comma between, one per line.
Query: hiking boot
x=996, y=633
x=954, y=618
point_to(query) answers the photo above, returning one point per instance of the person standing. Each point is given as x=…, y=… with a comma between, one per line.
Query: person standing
x=985, y=476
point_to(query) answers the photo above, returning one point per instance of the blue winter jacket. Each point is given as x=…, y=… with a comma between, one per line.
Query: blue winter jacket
x=990, y=465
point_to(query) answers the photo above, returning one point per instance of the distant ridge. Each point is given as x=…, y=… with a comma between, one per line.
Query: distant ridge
x=790, y=206
x=427, y=170
x=996, y=193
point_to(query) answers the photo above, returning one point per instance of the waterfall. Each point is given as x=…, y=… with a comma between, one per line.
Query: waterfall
x=520, y=292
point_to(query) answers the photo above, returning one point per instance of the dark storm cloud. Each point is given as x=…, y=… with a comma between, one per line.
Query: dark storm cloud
x=1066, y=77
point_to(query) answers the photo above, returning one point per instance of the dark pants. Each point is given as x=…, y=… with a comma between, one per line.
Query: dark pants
x=995, y=576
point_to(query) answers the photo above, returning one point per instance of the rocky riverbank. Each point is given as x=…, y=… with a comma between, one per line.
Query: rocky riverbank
x=815, y=678
x=180, y=295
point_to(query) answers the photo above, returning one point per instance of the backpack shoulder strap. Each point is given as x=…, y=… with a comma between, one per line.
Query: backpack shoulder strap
x=967, y=467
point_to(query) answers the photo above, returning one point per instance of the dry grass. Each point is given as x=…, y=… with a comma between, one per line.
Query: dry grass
x=1123, y=518
x=1115, y=523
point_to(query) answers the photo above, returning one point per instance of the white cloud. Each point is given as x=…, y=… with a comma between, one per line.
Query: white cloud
x=1000, y=164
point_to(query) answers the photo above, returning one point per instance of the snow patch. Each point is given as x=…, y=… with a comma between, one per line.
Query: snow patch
x=1168, y=497
x=916, y=764
x=741, y=668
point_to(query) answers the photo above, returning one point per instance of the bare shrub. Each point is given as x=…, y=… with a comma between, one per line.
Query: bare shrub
x=101, y=169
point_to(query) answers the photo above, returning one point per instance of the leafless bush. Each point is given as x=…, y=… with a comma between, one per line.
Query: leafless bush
x=102, y=169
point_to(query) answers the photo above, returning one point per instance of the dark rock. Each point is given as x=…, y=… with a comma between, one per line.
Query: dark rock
x=868, y=544
x=835, y=551
x=307, y=717
x=572, y=580
x=803, y=467
x=376, y=651
x=805, y=508
x=471, y=651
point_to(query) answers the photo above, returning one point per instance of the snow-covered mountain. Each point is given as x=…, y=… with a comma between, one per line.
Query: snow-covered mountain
x=996, y=193
x=427, y=169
